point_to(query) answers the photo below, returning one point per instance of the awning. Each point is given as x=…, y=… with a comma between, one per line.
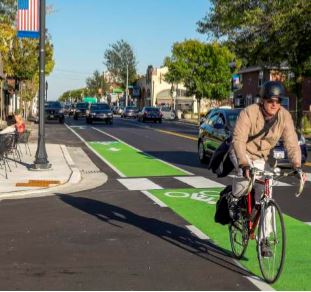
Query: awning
x=117, y=90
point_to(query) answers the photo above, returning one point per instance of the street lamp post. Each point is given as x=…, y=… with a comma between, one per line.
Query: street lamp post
x=46, y=90
x=41, y=161
x=127, y=83
x=127, y=77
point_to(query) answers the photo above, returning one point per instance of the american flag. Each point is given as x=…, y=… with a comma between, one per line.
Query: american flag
x=28, y=18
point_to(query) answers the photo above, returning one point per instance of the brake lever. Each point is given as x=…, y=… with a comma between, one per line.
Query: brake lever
x=302, y=179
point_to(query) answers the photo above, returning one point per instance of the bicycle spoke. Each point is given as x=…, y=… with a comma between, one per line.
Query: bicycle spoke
x=271, y=242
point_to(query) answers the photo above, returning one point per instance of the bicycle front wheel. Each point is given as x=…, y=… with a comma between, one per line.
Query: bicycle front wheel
x=238, y=231
x=271, y=242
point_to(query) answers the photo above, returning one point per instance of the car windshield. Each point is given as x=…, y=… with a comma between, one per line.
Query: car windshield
x=165, y=109
x=81, y=105
x=151, y=109
x=102, y=106
x=52, y=105
x=131, y=108
x=232, y=117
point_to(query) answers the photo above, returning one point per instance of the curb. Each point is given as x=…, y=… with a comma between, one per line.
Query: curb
x=74, y=178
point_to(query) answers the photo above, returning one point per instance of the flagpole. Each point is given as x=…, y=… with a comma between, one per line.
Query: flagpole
x=41, y=161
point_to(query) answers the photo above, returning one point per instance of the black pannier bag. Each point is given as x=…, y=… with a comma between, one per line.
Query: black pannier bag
x=222, y=207
x=220, y=162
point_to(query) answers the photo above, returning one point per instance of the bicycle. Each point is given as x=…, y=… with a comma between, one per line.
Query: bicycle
x=266, y=218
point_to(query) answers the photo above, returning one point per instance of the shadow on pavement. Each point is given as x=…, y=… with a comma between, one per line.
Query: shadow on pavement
x=177, y=236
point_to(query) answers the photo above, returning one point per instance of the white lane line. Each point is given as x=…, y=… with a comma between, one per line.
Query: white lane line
x=263, y=286
x=199, y=181
x=96, y=153
x=308, y=176
x=167, y=163
x=154, y=199
x=196, y=231
x=139, y=184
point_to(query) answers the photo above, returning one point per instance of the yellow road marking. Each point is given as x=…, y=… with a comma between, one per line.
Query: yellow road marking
x=178, y=135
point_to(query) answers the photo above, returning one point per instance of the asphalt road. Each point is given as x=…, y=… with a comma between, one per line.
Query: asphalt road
x=110, y=238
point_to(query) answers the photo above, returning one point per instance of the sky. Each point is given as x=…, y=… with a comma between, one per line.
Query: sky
x=82, y=30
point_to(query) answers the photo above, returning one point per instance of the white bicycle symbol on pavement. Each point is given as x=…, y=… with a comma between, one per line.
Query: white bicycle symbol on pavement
x=206, y=196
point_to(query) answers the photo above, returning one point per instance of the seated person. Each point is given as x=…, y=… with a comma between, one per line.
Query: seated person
x=18, y=127
x=20, y=124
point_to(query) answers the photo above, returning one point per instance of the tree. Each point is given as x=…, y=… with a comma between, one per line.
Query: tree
x=203, y=68
x=96, y=84
x=8, y=11
x=73, y=95
x=117, y=58
x=265, y=32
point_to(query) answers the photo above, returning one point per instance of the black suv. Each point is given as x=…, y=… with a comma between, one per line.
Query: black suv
x=100, y=112
x=80, y=110
x=54, y=111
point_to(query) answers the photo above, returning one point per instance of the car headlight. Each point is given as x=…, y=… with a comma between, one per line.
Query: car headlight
x=61, y=111
x=302, y=140
x=109, y=114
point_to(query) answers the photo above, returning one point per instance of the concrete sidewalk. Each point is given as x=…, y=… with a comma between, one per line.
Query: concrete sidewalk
x=71, y=171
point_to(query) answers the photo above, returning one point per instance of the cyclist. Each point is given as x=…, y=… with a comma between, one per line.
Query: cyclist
x=256, y=153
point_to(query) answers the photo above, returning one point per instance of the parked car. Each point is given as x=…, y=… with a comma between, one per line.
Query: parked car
x=80, y=110
x=218, y=125
x=120, y=110
x=67, y=108
x=54, y=111
x=99, y=112
x=130, y=112
x=150, y=113
x=168, y=113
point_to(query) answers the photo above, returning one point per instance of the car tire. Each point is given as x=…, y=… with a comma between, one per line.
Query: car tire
x=160, y=121
x=61, y=120
x=201, y=152
x=75, y=117
x=144, y=121
x=90, y=121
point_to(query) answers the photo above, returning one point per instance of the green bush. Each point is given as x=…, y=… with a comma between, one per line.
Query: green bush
x=306, y=125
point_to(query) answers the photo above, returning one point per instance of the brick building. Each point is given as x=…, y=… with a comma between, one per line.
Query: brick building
x=251, y=79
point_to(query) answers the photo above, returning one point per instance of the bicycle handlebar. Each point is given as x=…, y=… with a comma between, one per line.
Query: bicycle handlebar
x=277, y=173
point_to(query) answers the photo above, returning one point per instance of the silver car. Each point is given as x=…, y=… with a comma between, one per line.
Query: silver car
x=168, y=113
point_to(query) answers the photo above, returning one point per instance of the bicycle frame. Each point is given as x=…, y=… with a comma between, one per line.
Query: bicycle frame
x=254, y=215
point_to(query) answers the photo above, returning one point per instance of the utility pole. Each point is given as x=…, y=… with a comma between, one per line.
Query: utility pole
x=127, y=83
x=41, y=161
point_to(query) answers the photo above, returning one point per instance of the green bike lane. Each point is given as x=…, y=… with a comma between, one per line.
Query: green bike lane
x=197, y=206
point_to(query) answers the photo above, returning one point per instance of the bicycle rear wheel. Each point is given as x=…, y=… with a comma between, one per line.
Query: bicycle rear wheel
x=271, y=234
x=238, y=232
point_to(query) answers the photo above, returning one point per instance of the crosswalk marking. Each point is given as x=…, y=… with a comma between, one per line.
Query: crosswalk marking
x=154, y=199
x=197, y=232
x=139, y=184
x=199, y=182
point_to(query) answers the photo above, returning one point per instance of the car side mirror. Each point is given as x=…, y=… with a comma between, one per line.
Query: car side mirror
x=219, y=126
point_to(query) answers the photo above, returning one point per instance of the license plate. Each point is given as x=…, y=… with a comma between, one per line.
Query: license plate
x=278, y=154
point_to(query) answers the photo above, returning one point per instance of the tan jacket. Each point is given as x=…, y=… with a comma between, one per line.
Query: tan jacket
x=250, y=122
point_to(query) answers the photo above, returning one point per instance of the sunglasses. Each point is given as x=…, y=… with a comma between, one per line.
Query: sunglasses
x=272, y=100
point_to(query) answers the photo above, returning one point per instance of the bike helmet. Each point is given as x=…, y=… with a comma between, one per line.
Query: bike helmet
x=272, y=89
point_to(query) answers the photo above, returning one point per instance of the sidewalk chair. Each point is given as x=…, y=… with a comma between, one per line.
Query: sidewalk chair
x=4, y=152
x=22, y=138
x=10, y=142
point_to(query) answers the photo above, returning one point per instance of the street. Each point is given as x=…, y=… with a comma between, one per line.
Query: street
x=115, y=237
